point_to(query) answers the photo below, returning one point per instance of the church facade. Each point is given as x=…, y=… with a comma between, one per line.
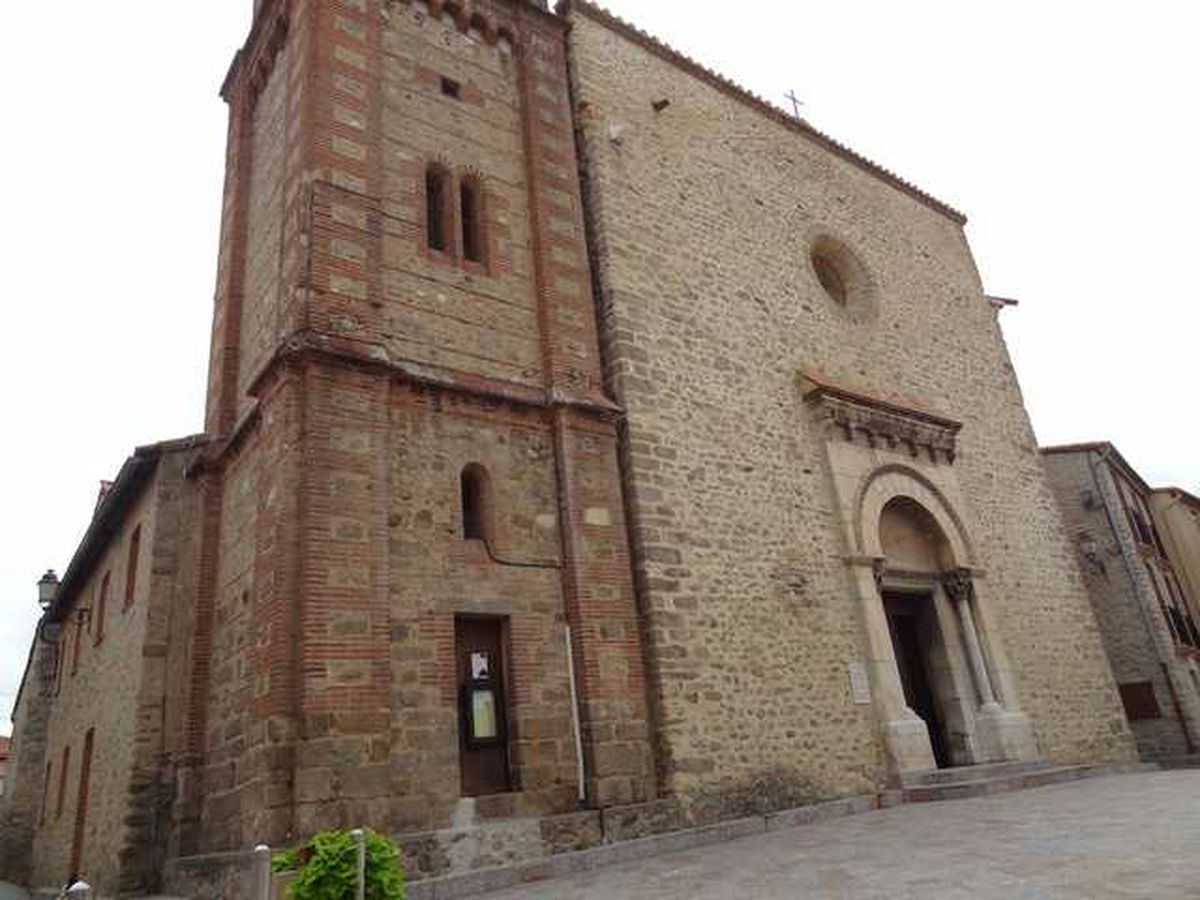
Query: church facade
x=590, y=449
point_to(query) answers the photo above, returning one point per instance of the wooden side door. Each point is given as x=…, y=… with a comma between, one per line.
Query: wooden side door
x=483, y=707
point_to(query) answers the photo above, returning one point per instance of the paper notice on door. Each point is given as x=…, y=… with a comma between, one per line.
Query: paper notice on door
x=483, y=715
x=480, y=666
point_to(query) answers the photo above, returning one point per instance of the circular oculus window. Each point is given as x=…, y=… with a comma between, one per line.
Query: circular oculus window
x=840, y=274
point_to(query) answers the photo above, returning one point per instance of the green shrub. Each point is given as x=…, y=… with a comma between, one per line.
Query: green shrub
x=327, y=865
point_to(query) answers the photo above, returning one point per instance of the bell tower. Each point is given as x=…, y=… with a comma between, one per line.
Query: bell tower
x=416, y=588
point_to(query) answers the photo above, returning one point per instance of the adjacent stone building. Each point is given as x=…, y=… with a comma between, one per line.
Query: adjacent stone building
x=1147, y=617
x=4, y=751
x=590, y=449
x=1176, y=516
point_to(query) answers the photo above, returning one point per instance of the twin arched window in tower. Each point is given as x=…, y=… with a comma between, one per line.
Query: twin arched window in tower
x=454, y=215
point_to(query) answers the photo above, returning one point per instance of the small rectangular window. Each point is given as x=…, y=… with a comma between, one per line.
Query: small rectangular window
x=101, y=610
x=135, y=541
x=62, y=782
x=76, y=644
x=472, y=230
x=1139, y=700
x=435, y=208
x=59, y=659
x=451, y=88
x=46, y=791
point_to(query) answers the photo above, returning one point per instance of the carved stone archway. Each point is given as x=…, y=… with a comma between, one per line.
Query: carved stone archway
x=879, y=453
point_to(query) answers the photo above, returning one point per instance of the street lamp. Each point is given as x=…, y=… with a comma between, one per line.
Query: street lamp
x=47, y=589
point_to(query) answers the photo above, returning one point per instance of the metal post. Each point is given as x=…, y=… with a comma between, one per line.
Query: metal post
x=575, y=716
x=262, y=872
x=360, y=882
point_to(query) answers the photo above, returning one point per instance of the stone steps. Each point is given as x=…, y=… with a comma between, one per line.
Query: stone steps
x=960, y=774
x=1179, y=762
x=1003, y=783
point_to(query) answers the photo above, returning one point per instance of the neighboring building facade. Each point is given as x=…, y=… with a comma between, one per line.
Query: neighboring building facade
x=506, y=550
x=99, y=713
x=4, y=749
x=1177, y=518
x=1147, y=619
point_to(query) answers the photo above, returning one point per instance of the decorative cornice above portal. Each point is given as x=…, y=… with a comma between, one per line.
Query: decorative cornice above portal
x=858, y=417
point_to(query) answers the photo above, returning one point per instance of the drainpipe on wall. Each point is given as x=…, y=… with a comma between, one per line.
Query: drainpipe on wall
x=575, y=716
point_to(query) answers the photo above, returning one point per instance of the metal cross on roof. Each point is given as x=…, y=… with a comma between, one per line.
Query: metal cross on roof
x=796, y=103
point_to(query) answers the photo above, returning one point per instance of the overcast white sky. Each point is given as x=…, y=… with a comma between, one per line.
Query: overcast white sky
x=1066, y=131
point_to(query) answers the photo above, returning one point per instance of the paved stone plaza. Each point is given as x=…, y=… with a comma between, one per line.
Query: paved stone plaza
x=1120, y=836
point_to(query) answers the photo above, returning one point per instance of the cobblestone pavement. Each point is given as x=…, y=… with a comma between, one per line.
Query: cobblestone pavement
x=1117, y=837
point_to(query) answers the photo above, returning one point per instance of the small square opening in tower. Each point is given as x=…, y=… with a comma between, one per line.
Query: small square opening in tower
x=451, y=88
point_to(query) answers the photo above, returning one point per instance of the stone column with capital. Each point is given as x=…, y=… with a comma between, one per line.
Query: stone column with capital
x=1003, y=732
x=906, y=737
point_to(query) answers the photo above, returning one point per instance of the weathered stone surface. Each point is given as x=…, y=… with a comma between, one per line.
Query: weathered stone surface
x=704, y=215
x=1145, y=619
x=289, y=663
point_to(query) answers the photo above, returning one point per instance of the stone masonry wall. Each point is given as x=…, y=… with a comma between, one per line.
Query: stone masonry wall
x=109, y=672
x=260, y=328
x=479, y=318
x=1114, y=595
x=703, y=214
x=435, y=574
x=21, y=804
x=378, y=306
x=250, y=684
x=120, y=688
x=168, y=565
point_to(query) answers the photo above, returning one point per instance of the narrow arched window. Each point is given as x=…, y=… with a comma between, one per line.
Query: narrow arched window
x=100, y=613
x=472, y=220
x=437, y=195
x=476, y=503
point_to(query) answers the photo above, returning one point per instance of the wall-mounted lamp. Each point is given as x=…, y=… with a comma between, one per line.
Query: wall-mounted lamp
x=47, y=589
x=1091, y=550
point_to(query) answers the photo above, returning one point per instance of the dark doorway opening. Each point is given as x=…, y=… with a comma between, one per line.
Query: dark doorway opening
x=912, y=621
x=479, y=643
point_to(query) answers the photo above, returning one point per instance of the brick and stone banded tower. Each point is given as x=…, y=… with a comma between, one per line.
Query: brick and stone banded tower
x=414, y=497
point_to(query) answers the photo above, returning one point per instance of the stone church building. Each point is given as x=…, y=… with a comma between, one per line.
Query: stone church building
x=590, y=449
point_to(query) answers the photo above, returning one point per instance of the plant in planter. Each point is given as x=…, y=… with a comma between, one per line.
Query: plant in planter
x=327, y=865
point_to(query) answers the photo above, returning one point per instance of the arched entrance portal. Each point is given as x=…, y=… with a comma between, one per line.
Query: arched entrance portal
x=941, y=685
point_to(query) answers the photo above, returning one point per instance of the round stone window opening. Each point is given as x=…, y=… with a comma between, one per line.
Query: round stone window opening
x=842, y=276
x=830, y=277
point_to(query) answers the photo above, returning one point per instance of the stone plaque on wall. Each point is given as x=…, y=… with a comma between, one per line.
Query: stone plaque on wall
x=860, y=686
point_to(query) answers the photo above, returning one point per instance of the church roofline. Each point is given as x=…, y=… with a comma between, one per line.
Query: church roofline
x=125, y=489
x=739, y=93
